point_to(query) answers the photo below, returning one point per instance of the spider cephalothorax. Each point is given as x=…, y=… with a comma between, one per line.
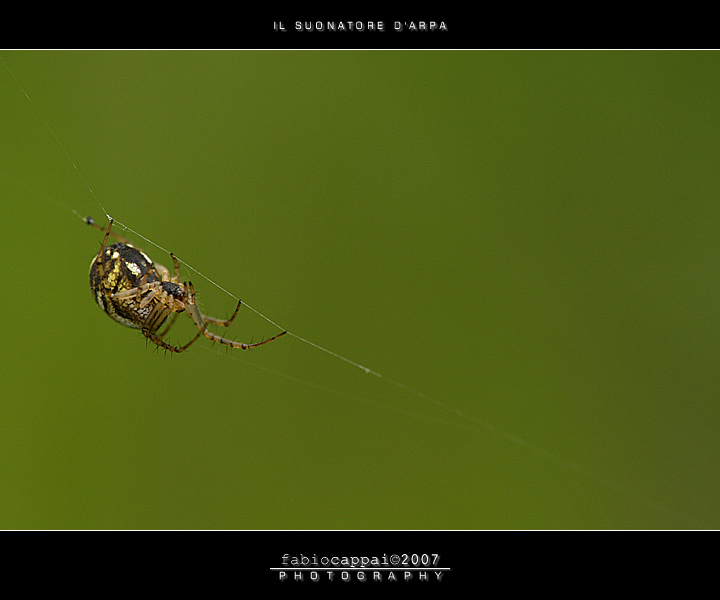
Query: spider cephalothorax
x=138, y=293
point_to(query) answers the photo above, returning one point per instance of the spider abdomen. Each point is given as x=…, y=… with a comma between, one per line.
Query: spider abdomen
x=121, y=268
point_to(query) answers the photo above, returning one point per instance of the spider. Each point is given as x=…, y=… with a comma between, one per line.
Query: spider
x=138, y=293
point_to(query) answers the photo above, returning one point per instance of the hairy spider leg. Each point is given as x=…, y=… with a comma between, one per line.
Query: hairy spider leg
x=90, y=221
x=101, y=267
x=156, y=339
x=197, y=317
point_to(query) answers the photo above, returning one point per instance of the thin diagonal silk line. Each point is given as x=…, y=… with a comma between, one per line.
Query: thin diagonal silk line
x=57, y=139
x=331, y=353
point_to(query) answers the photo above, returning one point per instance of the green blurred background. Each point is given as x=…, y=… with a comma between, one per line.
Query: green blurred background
x=530, y=238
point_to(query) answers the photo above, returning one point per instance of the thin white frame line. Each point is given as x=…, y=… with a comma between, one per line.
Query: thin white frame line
x=360, y=569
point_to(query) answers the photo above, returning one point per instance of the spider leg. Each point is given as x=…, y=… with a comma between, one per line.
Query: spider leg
x=221, y=322
x=156, y=339
x=162, y=271
x=148, y=297
x=176, y=268
x=99, y=259
x=202, y=326
x=137, y=293
x=142, y=287
x=170, y=324
x=154, y=321
x=90, y=221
